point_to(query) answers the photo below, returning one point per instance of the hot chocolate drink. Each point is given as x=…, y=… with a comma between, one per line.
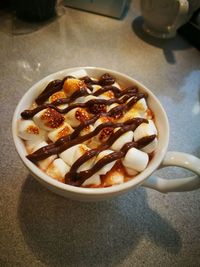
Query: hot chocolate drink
x=89, y=131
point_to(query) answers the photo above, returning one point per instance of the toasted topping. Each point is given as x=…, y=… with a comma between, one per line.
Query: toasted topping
x=71, y=85
x=33, y=130
x=105, y=134
x=56, y=96
x=82, y=115
x=52, y=118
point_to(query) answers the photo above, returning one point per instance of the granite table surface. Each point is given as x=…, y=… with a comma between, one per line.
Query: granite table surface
x=140, y=228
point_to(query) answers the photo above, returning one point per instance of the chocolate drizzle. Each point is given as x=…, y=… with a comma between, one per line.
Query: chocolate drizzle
x=97, y=107
x=77, y=178
x=73, y=139
x=51, y=88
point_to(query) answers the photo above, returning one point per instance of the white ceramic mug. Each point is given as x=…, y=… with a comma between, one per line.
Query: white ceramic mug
x=161, y=158
x=163, y=18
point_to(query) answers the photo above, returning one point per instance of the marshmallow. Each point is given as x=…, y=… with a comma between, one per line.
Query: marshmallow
x=78, y=73
x=57, y=169
x=122, y=140
x=113, y=177
x=71, y=85
x=112, y=106
x=56, y=96
x=131, y=172
x=93, y=180
x=31, y=145
x=48, y=119
x=105, y=133
x=144, y=129
x=88, y=129
x=73, y=153
x=28, y=130
x=43, y=164
x=75, y=116
x=152, y=124
x=141, y=105
x=135, y=159
x=95, y=87
x=108, y=166
x=106, y=95
x=116, y=85
x=100, y=121
x=151, y=146
x=68, y=155
x=82, y=149
x=84, y=99
x=133, y=113
x=64, y=130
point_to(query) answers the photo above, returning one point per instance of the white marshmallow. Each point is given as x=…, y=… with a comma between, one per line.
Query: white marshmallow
x=64, y=130
x=131, y=172
x=112, y=178
x=31, y=145
x=95, y=87
x=106, y=95
x=78, y=73
x=57, y=169
x=48, y=119
x=152, y=124
x=141, y=105
x=143, y=130
x=73, y=153
x=88, y=129
x=75, y=116
x=80, y=151
x=108, y=166
x=68, y=155
x=28, y=130
x=122, y=140
x=116, y=85
x=43, y=164
x=151, y=146
x=83, y=99
x=93, y=180
x=112, y=106
x=135, y=159
x=100, y=121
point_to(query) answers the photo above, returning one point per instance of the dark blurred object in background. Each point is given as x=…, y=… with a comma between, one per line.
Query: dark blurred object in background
x=5, y=4
x=191, y=30
x=35, y=10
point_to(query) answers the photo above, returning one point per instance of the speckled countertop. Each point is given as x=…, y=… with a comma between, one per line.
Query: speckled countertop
x=141, y=228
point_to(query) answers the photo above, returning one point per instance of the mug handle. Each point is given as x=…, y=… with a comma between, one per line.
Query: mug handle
x=178, y=159
x=181, y=16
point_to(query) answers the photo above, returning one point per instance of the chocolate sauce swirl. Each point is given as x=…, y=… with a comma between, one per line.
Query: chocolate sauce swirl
x=29, y=113
x=77, y=178
x=51, y=88
x=71, y=140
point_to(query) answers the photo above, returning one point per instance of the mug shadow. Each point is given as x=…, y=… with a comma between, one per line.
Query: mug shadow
x=167, y=45
x=62, y=232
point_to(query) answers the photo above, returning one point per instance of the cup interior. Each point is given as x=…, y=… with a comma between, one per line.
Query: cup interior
x=161, y=122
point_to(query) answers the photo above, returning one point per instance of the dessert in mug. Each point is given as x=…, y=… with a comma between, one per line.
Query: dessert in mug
x=89, y=132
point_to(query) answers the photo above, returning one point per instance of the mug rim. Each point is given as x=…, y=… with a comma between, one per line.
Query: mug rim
x=44, y=178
